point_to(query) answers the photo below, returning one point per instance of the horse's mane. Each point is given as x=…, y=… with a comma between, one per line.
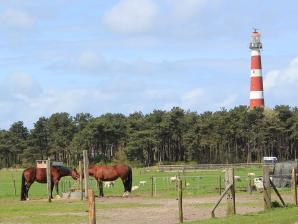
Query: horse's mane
x=100, y=165
x=106, y=165
x=63, y=169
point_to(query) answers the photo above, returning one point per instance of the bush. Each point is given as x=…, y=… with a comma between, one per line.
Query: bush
x=276, y=204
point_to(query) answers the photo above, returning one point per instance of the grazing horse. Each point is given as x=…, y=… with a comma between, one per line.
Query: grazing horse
x=111, y=173
x=32, y=174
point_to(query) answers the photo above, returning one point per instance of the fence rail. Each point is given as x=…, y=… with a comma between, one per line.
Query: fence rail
x=167, y=168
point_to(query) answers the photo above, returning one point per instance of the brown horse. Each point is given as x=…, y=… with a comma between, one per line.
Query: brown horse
x=111, y=173
x=32, y=174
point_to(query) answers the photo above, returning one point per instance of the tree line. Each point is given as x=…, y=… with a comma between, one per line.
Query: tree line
x=224, y=136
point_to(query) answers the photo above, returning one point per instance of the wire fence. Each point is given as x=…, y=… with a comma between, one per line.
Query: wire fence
x=166, y=185
x=151, y=184
x=197, y=184
x=159, y=186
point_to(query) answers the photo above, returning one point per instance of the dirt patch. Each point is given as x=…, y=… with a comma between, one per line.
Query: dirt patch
x=147, y=210
x=166, y=210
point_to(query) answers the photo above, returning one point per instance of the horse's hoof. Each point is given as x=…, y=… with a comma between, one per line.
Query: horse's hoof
x=125, y=195
x=27, y=199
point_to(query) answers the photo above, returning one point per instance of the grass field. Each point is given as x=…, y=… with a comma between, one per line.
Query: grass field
x=272, y=216
x=198, y=184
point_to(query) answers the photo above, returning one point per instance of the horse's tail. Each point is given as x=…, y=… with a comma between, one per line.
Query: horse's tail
x=129, y=179
x=23, y=188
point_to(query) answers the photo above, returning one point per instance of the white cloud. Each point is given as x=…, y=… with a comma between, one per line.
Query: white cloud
x=12, y=18
x=158, y=94
x=89, y=60
x=284, y=77
x=132, y=16
x=162, y=17
x=186, y=9
x=281, y=86
x=228, y=102
x=92, y=62
x=192, y=98
x=199, y=99
x=21, y=85
x=271, y=79
x=17, y=106
x=22, y=98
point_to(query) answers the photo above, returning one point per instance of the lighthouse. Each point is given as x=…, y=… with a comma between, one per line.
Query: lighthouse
x=256, y=97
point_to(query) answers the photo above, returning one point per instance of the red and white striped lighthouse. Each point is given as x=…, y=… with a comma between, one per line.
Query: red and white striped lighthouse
x=256, y=97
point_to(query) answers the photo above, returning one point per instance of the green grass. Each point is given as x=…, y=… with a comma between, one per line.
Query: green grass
x=272, y=216
x=200, y=183
x=13, y=211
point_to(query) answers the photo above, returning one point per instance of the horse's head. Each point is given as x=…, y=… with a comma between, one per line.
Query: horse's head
x=74, y=174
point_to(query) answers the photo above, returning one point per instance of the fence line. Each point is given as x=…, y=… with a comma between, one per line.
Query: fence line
x=166, y=168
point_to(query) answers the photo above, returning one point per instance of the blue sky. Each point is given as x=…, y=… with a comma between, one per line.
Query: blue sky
x=123, y=56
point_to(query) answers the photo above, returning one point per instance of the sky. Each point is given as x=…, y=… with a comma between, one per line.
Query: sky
x=123, y=56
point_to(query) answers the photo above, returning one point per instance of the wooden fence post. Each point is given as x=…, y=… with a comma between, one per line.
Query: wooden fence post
x=219, y=181
x=86, y=173
x=48, y=170
x=229, y=180
x=155, y=187
x=69, y=186
x=277, y=193
x=14, y=184
x=62, y=186
x=152, y=186
x=219, y=200
x=294, y=186
x=81, y=179
x=250, y=185
x=180, y=201
x=267, y=187
x=91, y=207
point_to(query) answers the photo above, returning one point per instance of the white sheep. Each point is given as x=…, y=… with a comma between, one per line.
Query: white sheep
x=173, y=179
x=142, y=182
x=258, y=182
x=109, y=184
x=237, y=178
x=251, y=174
x=135, y=188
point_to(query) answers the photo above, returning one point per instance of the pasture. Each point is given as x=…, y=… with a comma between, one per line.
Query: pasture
x=198, y=183
x=200, y=194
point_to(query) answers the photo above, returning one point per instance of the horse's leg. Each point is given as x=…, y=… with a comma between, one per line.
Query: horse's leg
x=126, y=190
x=52, y=187
x=26, y=191
x=100, y=188
x=28, y=185
x=57, y=189
x=97, y=183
